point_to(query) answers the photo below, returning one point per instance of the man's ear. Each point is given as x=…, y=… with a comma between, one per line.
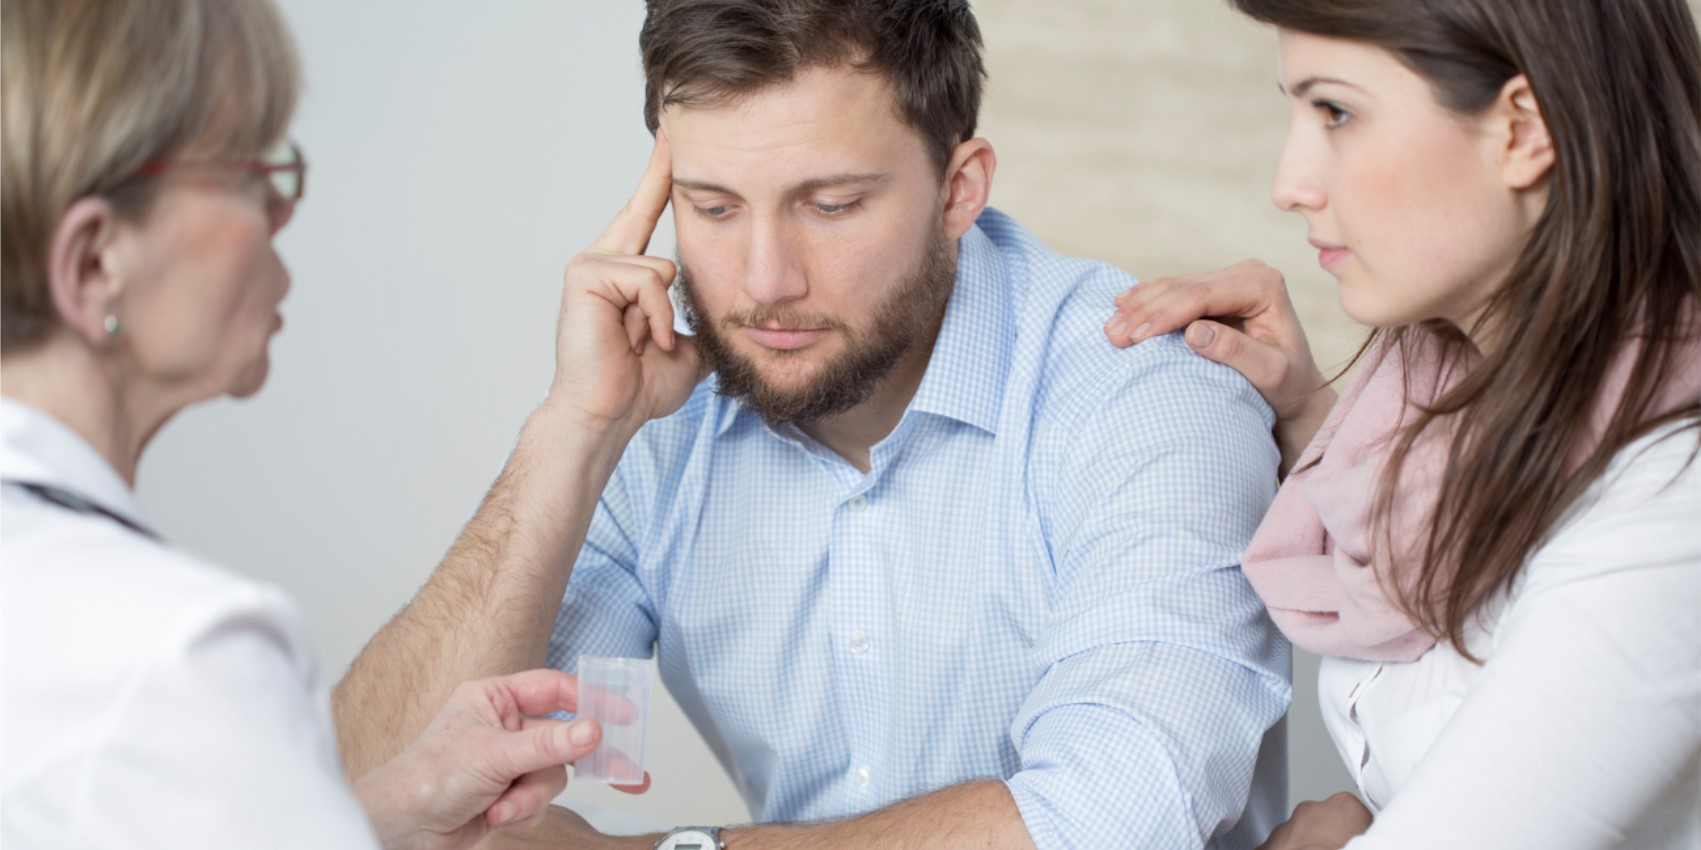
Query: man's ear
x=968, y=185
x=80, y=277
x=1527, y=153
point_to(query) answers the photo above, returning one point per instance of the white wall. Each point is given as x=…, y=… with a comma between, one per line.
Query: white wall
x=460, y=154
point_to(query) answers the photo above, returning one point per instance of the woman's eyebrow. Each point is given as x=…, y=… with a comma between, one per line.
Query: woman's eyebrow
x=1305, y=85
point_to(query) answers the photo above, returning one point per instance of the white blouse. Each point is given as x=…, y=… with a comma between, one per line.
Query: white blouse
x=147, y=699
x=1582, y=728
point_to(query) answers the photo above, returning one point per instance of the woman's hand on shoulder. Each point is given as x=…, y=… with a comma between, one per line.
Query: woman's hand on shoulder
x=1241, y=317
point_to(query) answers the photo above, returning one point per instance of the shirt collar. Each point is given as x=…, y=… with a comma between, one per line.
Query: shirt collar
x=971, y=358
x=38, y=448
x=966, y=373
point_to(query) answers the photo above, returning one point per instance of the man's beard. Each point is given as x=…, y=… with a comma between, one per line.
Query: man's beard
x=900, y=323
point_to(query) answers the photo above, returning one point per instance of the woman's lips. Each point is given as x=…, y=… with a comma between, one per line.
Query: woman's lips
x=784, y=339
x=1329, y=255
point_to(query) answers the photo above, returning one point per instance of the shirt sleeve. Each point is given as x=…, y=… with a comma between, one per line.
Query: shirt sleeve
x=1162, y=672
x=607, y=610
x=225, y=741
x=1587, y=713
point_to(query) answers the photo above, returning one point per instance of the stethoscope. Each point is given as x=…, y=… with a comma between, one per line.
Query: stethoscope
x=73, y=502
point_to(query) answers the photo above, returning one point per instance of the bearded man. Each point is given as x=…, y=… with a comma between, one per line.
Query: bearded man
x=925, y=559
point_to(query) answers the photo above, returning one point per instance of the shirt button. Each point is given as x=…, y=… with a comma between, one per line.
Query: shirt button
x=858, y=643
x=858, y=504
x=862, y=776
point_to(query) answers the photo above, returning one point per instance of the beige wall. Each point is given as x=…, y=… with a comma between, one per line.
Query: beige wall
x=1146, y=134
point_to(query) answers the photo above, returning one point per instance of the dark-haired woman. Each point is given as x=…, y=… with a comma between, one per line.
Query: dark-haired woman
x=1494, y=534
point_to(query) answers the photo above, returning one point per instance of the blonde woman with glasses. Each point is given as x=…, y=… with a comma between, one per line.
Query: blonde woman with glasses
x=150, y=699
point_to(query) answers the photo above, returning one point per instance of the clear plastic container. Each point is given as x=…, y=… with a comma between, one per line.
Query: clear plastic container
x=615, y=692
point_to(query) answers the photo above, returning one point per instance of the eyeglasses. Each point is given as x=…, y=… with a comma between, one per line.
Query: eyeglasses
x=283, y=167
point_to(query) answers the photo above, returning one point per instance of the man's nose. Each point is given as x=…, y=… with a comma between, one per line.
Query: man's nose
x=773, y=273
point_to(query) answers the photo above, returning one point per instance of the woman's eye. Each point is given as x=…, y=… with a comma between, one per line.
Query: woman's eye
x=711, y=213
x=1333, y=114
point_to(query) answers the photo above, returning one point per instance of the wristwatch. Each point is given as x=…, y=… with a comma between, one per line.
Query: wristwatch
x=692, y=838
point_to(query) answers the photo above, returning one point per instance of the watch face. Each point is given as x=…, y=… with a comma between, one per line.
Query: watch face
x=689, y=839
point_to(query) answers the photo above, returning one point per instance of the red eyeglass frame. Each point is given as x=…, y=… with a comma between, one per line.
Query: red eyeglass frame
x=260, y=167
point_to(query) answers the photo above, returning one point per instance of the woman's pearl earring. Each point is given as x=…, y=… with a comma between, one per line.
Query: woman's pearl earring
x=111, y=325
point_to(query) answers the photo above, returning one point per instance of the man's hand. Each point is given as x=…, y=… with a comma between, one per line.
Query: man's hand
x=614, y=304
x=489, y=760
x=1321, y=825
x=1258, y=335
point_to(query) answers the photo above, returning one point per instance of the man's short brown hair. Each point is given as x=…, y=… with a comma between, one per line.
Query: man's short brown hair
x=707, y=52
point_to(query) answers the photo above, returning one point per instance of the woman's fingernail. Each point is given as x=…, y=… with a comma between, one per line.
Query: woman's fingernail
x=581, y=732
x=502, y=813
x=1141, y=330
x=1116, y=328
x=1201, y=335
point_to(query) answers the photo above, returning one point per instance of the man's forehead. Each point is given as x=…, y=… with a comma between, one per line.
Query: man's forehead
x=826, y=124
x=845, y=179
x=810, y=94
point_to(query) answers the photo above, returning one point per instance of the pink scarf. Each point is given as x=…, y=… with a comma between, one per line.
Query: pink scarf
x=1311, y=557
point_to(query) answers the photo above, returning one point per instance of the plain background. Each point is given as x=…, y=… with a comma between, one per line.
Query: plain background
x=461, y=154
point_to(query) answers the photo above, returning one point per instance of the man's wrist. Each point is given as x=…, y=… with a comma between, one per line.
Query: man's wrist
x=621, y=842
x=590, y=447
x=600, y=841
x=567, y=421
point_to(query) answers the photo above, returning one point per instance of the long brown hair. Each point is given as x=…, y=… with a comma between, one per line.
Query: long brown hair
x=1614, y=258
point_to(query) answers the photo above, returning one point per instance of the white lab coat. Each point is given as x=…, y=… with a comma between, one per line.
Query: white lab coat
x=147, y=699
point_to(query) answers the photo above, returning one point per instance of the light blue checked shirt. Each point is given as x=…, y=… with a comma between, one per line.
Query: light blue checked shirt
x=1038, y=580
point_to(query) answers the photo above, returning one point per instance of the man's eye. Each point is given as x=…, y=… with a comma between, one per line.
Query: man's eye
x=835, y=210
